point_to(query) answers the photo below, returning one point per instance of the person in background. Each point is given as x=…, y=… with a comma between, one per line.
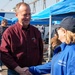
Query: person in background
x=42, y=30
x=23, y=43
x=63, y=61
x=3, y=27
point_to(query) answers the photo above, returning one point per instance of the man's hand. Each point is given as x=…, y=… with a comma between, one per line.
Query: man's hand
x=28, y=73
x=22, y=71
x=26, y=70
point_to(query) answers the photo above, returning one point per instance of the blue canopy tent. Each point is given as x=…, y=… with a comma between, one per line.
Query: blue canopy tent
x=61, y=7
x=65, y=6
x=42, y=15
x=39, y=22
x=14, y=20
x=1, y=18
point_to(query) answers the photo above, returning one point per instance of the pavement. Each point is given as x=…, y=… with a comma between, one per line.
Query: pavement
x=4, y=70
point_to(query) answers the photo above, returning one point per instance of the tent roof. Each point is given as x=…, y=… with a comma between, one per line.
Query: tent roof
x=42, y=15
x=61, y=7
x=39, y=22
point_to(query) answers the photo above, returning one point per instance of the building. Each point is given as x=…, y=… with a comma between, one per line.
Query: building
x=8, y=15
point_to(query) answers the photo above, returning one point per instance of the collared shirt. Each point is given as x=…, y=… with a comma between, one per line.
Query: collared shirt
x=24, y=47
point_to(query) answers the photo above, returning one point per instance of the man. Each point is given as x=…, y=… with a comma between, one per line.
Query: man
x=3, y=27
x=23, y=43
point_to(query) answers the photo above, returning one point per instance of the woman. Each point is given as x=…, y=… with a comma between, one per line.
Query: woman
x=63, y=62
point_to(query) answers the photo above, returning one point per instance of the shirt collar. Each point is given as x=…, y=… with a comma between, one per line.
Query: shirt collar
x=21, y=27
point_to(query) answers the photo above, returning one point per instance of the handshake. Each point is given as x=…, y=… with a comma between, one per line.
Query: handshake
x=23, y=71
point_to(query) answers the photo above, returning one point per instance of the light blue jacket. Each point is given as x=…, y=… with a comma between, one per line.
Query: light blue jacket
x=62, y=63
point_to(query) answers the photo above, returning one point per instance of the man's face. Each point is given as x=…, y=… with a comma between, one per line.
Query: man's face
x=24, y=15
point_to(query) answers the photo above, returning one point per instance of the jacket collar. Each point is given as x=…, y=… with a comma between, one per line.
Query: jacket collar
x=61, y=47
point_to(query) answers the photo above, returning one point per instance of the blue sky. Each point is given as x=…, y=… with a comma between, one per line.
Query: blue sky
x=10, y=4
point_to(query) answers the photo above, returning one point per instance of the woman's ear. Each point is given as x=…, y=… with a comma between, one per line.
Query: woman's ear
x=64, y=30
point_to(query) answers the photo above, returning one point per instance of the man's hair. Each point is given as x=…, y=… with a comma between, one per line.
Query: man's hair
x=4, y=20
x=19, y=4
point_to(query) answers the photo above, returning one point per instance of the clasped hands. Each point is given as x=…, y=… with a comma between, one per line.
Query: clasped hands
x=23, y=71
x=26, y=71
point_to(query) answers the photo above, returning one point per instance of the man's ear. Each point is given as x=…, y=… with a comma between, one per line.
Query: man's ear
x=16, y=14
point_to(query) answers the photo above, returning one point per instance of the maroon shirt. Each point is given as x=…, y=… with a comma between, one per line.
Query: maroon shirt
x=23, y=47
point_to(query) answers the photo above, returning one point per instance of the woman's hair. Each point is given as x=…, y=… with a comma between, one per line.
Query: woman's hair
x=55, y=42
x=70, y=37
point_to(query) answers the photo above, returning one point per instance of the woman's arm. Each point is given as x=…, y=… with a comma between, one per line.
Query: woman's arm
x=41, y=69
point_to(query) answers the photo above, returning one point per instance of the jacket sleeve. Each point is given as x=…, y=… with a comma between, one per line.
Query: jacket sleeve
x=71, y=67
x=6, y=55
x=41, y=69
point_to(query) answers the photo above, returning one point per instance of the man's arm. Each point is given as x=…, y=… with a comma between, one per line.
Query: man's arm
x=6, y=55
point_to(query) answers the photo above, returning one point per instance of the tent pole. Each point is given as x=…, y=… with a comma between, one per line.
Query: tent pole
x=49, y=44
